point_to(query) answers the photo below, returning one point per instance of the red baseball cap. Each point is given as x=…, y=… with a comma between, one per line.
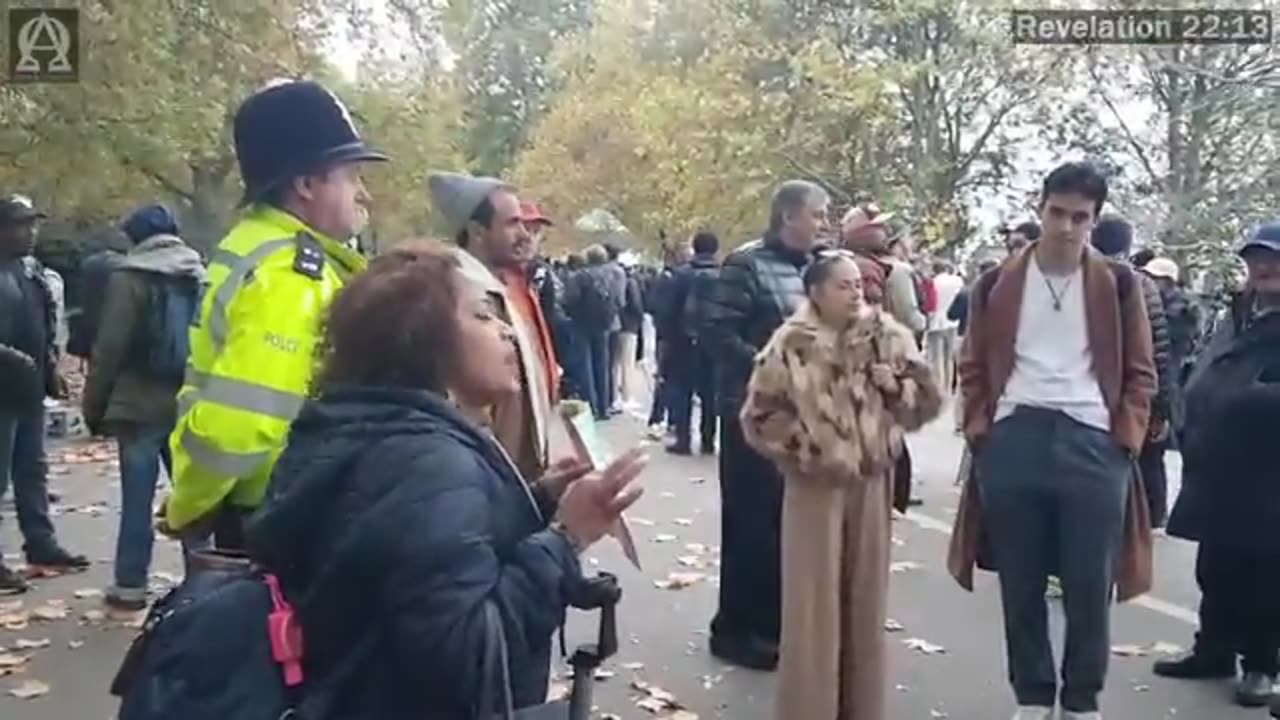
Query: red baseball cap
x=531, y=213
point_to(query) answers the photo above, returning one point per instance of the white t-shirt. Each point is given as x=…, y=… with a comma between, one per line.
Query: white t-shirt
x=1052, y=364
x=947, y=286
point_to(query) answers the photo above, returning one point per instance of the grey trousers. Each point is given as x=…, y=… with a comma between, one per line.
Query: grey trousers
x=1054, y=493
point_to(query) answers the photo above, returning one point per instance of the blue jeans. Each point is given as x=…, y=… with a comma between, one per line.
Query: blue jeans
x=142, y=450
x=23, y=465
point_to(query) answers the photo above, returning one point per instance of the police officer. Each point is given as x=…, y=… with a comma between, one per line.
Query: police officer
x=269, y=283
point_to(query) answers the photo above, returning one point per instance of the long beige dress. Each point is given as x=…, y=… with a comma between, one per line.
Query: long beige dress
x=813, y=409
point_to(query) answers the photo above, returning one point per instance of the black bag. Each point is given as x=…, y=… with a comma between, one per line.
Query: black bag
x=697, y=300
x=83, y=319
x=596, y=307
x=221, y=645
x=495, y=696
x=161, y=343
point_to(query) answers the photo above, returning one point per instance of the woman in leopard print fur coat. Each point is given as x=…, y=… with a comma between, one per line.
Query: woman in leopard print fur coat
x=831, y=396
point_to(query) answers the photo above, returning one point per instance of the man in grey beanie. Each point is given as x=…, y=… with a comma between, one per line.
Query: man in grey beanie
x=484, y=217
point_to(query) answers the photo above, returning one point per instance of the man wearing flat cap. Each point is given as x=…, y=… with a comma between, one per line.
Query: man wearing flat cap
x=269, y=284
x=484, y=216
x=28, y=370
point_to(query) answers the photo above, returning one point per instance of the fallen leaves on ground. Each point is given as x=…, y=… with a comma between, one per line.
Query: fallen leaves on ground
x=633, y=666
x=83, y=453
x=24, y=644
x=923, y=646
x=892, y=625
x=30, y=690
x=904, y=566
x=558, y=690
x=659, y=702
x=683, y=522
x=664, y=538
x=1128, y=650
x=679, y=580
x=88, y=593
x=51, y=611
x=12, y=660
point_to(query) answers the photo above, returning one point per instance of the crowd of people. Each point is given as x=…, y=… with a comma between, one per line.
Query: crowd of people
x=375, y=434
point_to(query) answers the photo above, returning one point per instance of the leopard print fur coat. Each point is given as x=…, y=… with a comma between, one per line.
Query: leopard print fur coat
x=814, y=408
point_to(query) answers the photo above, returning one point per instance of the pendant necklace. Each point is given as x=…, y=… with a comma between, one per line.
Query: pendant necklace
x=1056, y=294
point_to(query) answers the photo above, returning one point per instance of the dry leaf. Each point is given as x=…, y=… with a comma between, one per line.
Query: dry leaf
x=602, y=674
x=682, y=715
x=49, y=613
x=10, y=607
x=1141, y=688
x=22, y=644
x=667, y=494
x=9, y=660
x=692, y=561
x=924, y=646
x=1128, y=650
x=93, y=616
x=697, y=480
x=75, y=644
x=633, y=666
x=937, y=714
x=892, y=625
x=640, y=521
x=679, y=581
x=652, y=705
x=30, y=690
x=904, y=566
x=87, y=593
x=683, y=522
x=664, y=538
x=696, y=548
x=1166, y=648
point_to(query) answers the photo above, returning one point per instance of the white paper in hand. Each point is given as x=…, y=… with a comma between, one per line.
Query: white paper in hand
x=593, y=450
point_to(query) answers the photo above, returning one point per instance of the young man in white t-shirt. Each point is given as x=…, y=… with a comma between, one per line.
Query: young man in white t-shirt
x=1057, y=378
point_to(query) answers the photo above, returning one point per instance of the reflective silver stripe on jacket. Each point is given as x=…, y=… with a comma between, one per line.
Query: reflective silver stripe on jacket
x=239, y=394
x=241, y=268
x=223, y=462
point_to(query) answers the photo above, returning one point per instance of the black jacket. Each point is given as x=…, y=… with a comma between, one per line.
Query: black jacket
x=1166, y=374
x=759, y=286
x=693, y=288
x=28, y=324
x=1230, y=496
x=392, y=520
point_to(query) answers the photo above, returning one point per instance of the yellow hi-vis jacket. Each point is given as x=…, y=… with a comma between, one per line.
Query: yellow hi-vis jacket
x=269, y=284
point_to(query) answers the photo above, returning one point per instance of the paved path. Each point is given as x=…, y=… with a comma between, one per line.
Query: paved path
x=664, y=631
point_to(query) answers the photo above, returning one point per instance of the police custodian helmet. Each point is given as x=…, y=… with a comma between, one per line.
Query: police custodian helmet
x=291, y=128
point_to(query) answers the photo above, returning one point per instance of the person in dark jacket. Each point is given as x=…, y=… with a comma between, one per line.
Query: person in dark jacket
x=1184, y=325
x=395, y=521
x=123, y=399
x=692, y=365
x=1113, y=237
x=27, y=326
x=660, y=303
x=759, y=286
x=1230, y=500
x=588, y=301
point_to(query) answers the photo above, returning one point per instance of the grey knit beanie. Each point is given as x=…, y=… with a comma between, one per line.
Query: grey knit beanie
x=457, y=196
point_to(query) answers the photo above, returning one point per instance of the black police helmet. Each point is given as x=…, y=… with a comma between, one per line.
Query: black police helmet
x=292, y=128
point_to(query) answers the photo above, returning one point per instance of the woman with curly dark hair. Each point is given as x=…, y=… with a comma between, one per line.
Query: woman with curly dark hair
x=395, y=521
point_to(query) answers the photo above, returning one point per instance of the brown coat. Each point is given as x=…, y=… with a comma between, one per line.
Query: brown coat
x=1120, y=343
x=814, y=410
x=522, y=421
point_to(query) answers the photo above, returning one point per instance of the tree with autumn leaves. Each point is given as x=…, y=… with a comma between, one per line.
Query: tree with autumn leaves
x=671, y=114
